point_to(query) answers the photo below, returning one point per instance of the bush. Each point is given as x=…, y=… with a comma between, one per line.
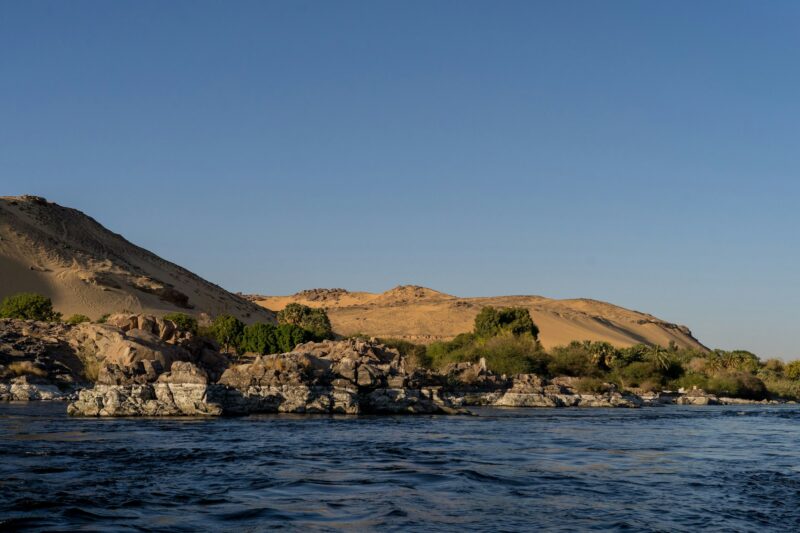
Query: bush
x=780, y=387
x=492, y=321
x=572, y=360
x=261, y=339
x=416, y=355
x=183, y=321
x=737, y=385
x=513, y=354
x=313, y=320
x=103, y=319
x=792, y=370
x=638, y=373
x=774, y=365
x=689, y=381
x=28, y=306
x=459, y=349
x=289, y=336
x=591, y=386
x=78, y=319
x=227, y=330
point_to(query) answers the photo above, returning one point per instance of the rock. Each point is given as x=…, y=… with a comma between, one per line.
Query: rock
x=159, y=399
x=21, y=390
x=182, y=372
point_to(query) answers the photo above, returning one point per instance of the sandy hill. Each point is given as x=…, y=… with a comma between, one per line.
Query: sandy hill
x=85, y=268
x=423, y=315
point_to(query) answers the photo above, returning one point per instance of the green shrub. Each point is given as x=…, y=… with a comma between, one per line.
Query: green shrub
x=792, y=370
x=689, y=381
x=638, y=373
x=183, y=321
x=737, y=385
x=493, y=321
x=458, y=350
x=632, y=354
x=28, y=306
x=513, y=354
x=591, y=386
x=572, y=360
x=781, y=387
x=78, y=319
x=103, y=319
x=289, y=336
x=261, y=339
x=227, y=330
x=505, y=353
x=313, y=320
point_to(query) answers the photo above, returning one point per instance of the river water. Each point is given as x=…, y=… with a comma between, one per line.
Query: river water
x=652, y=469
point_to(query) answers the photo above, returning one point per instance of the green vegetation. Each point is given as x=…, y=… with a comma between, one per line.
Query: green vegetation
x=183, y=321
x=267, y=338
x=78, y=319
x=416, y=355
x=313, y=320
x=103, y=319
x=28, y=306
x=492, y=321
x=264, y=339
x=507, y=339
x=228, y=331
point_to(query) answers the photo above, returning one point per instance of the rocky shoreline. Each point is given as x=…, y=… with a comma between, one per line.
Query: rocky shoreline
x=147, y=367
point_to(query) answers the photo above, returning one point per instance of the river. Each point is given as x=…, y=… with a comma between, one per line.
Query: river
x=651, y=469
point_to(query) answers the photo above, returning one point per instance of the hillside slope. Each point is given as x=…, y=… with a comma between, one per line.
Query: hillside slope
x=85, y=268
x=423, y=315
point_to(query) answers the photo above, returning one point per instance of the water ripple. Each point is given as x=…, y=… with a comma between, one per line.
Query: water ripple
x=681, y=468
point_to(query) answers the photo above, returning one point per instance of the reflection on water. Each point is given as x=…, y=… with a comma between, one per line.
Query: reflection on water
x=674, y=468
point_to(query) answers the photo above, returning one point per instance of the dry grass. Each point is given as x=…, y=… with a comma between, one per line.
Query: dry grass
x=21, y=368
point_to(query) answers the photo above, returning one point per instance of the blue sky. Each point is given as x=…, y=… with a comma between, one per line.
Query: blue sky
x=643, y=153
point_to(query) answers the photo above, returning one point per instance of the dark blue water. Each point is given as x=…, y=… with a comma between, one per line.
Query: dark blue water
x=677, y=468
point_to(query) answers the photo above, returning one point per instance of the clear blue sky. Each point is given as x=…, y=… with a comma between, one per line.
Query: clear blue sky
x=643, y=153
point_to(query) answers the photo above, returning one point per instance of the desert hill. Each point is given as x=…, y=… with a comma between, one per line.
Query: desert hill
x=424, y=315
x=85, y=268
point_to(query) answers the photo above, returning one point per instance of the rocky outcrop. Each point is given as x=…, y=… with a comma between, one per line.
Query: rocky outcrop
x=345, y=377
x=36, y=361
x=529, y=390
x=154, y=399
x=43, y=360
x=146, y=366
x=26, y=389
x=348, y=377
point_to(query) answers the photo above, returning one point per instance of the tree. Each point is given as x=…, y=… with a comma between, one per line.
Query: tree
x=314, y=320
x=289, y=336
x=261, y=339
x=228, y=331
x=28, y=306
x=492, y=321
x=183, y=321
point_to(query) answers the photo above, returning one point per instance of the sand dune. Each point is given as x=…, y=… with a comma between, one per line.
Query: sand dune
x=423, y=315
x=85, y=268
